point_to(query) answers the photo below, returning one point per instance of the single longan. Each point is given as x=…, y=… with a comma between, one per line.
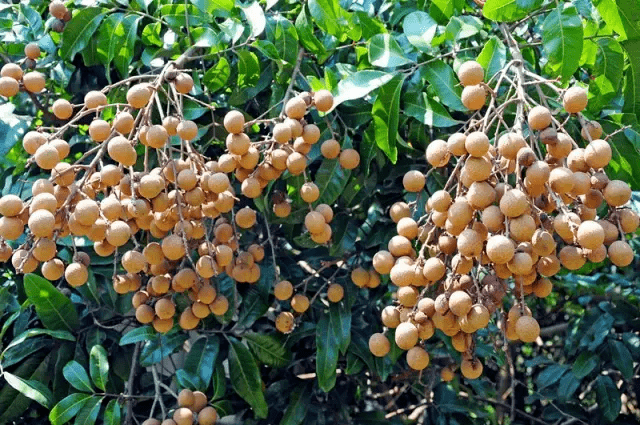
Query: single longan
x=76, y=274
x=295, y=108
x=62, y=109
x=335, y=292
x=187, y=321
x=53, y=269
x=617, y=193
x=590, y=234
x=32, y=51
x=220, y=305
x=406, y=335
x=41, y=223
x=417, y=358
x=183, y=416
x=413, y=181
x=477, y=144
x=9, y=87
x=438, y=153
x=527, y=329
x=597, y=154
x=539, y=118
x=234, y=122
x=123, y=122
x=33, y=81
x=157, y=136
x=473, y=97
x=187, y=130
x=470, y=73
x=207, y=416
x=285, y=322
x=138, y=96
x=183, y=83
x=246, y=217
x=574, y=100
x=460, y=303
x=620, y=253
x=379, y=345
x=330, y=149
x=11, y=205
x=323, y=100
x=12, y=70
x=95, y=99
x=185, y=398
x=471, y=369
x=300, y=303
x=309, y=192
x=349, y=159
x=57, y=9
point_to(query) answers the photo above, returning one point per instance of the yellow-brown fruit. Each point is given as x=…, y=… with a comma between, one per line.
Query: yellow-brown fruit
x=413, y=181
x=527, y=329
x=32, y=51
x=407, y=296
x=349, y=159
x=183, y=416
x=470, y=73
x=200, y=401
x=326, y=211
x=310, y=134
x=33, y=81
x=542, y=287
x=477, y=144
x=323, y=99
x=399, y=210
x=383, y=261
x=156, y=136
x=473, y=97
x=282, y=209
x=234, y=122
x=539, y=118
x=62, y=109
x=8, y=87
x=390, y=317
x=62, y=147
x=123, y=122
x=57, y=9
x=399, y=246
x=561, y=180
x=187, y=130
x=571, y=257
x=95, y=99
x=165, y=308
x=360, y=277
x=138, y=96
x=121, y=151
x=590, y=234
x=188, y=321
x=471, y=369
x=21, y=259
x=185, y=398
x=300, y=303
x=44, y=250
x=76, y=274
x=477, y=169
x=434, y=269
x=173, y=247
x=460, y=303
x=500, y=249
x=597, y=154
x=207, y=416
x=206, y=294
x=617, y=193
x=53, y=269
x=295, y=108
x=629, y=220
x=118, y=233
x=406, y=335
x=469, y=243
x=246, y=217
x=283, y=290
x=220, y=305
x=87, y=212
x=379, y=344
x=417, y=358
x=437, y=153
x=330, y=148
x=514, y=203
x=591, y=131
x=446, y=374
x=309, y=192
x=151, y=421
x=456, y=144
x=284, y=322
x=12, y=70
x=574, y=100
x=335, y=292
x=251, y=188
x=11, y=205
x=620, y=253
x=183, y=83
x=32, y=141
x=41, y=223
x=47, y=157
x=408, y=228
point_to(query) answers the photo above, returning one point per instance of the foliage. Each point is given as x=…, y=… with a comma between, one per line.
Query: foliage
x=79, y=354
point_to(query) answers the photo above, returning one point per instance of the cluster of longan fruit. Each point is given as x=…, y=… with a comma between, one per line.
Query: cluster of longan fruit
x=62, y=15
x=174, y=227
x=515, y=210
x=13, y=78
x=192, y=409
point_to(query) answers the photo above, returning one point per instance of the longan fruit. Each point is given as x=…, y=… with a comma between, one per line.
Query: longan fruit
x=471, y=369
x=8, y=87
x=406, y=335
x=417, y=358
x=574, y=100
x=165, y=308
x=285, y=322
x=500, y=249
x=477, y=144
x=183, y=83
x=62, y=109
x=379, y=345
x=509, y=144
x=234, y=122
x=408, y=228
x=76, y=274
x=437, y=153
x=41, y=223
x=527, y=329
x=183, y=416
x=47, y=157
x=470, y=73
x=62, y=147
x=617, y=193
x=53, y=269
x=335, y=292
x=542, y=287
x=207, y=416
x=32, y=51
x=123, y=122
x=185, y=398
x=187, y=130
x=326, y=211
x=245, y=218
x=251, y=188
x=11, y=205
x=33, y=82
x=12, y=70
x=188, y=321
x=561, y=180
x=571, y=257
x=300, y=303
x=296, y=163
x=539, y=118
x=590, y=234
x=283, y=290
x=434, y=269
x=620, y=253
x=446, y=374
x=473, y=97
x=87, y=211
x=295, y=108
x=309, y=192
x=187, y=179
x=629, y=220
x=390, y=317
x=94, y=99
x=138, y=96
x=323, y=100
x=399, y=210
x=156, y=136
x=282, y=209
x=32, y=141
x=151, y=421
x=118, y=233
x=460, y=303
x=591, y=131
x=383, y=261
x=514, y=203
x=44, y=250
x=310, y=134
x=121, y=151
x=413, y=181
x=173, y=247
x=57, y=9
x=220, y=305
x=330, y=148
x=314, y=222
x=349, y=159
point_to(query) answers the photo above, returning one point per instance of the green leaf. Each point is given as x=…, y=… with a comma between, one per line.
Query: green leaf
x=332, y=335
x=109, y=41
x=444, y=82
x=368, y=148
x=359, y=84
x=214, y=6
x=608, y=397
x=622, y=16
x=493, y=56
x=112, y=413
x=385, y=52
x=550, y=375
x=33, y=389
x=345, y=233
x=67, y=408
x=284, y=36
x=201, y=360
x=255, y=16
x=77, y=376
x=341, y=319
x=268, y=349
x=304, y=27
x=54, y=309
x=632, y=79
x=160, y=347
x=420, y=28
x=427, y=111
x=609, y=61
x=79, y=30
x=246, y=377
x=36, y=332
x=568, y=385
x=584, y=364
x=126, y=32
x=88, y=414
x=143, y=333
x=217, y=76
x=331, y=179
x=508, y=10
x=248, y=68
x=386, y=114
x=562, y=39
x=298, y=405
x=333, y=19
x=174, y=15
x=621, y=358
x=624, y=165
x=99, y=366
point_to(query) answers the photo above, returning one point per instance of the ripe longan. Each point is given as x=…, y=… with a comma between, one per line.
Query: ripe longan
x=33, y=82
x=417, y=358
x=309, y=192
x=53, y=269
x=285, y=322
x=539, y=118
x=527, y=329
x=471, y=369
x=335, y=292
x=473, y=97
x=349, y=159
x=95, y=99
x=9, y=87
x=295, y=108
x=183, y=83
x=438, y=153
x=32, y=51
x=620, y=253
x=207, y=416
x=138, y=96
x=413, y=181
x=220, y=305
x=300, y=303
x=406, y=335
x=470, y=73
x=379, y=345
x=183, y=416
x=57, y=9
x=574, y=100
x=62, y=109
x=185, y=398
x=234, y=122
x=12, y=70
x=76, y=274
x=323, y=100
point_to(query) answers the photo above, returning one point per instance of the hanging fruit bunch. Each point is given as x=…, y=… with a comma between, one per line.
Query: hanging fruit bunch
x=523, y=199
x=171, y=217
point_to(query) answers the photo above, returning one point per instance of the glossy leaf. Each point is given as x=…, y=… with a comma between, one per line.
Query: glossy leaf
x=268, y=349
x=385, y=52
x=562, y=40
x=608, y=397
x=304, y=28
x=298, y=405
x=427, y=111
x=160, y=347
x=508, y=10
x=112, y=413
x=584, y=364
x=621, y=358
x=331, y=179
x=622, y=16
x=217, y=76
x=143, y=333
x=248, y=68
x=67, y=408
x=54, y=309
x=386, y=114
x=128, y=29
x=284, y=36
x=99, y=366
x=255, y=16
x=33, y=389
x=420, y=28
x=632, y=80
x=77, y=376
x=493, y=57
x=327, y=353
x=246, y=377
x=444, y=82
x=64, y=335
x=88, y=414
x=333, y=19
x=359, y=84
x=201, y=360
x=79, y=30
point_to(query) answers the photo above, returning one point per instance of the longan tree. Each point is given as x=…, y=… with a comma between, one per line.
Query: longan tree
x=211, y=204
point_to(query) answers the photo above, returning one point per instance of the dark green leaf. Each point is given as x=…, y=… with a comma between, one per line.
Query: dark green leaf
x=386, y=113
x=67, y=408
x=298, y=405
x=621, y=358
x=493, y=56
x=127, y=33
x=327, y=348
x=79, y=30
x=632, y=79
x=427, y=111
x=12, y=403
x=77, y=376
x=568, y=385
x=550, y=375
x=254, y=306
x=608, y=397
x=36, y=332
x=99, y=366
x=268, y=349
x=284, y=36
x=31, y=388
x=160, y=347
x=368, y=148
x=54, y=309
x=246, y=377
x=444, y=82
x=331, y=179
x=143, y=333
x=112, y=413
x=562, y=39
x=88, y=414
x=201, y=360
x=340, y=318
x=304, y=27
x=345, y=233
x=18, y=353
x=248, y=68
x=360, y=84
x=584, y=364
x=420, y=28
